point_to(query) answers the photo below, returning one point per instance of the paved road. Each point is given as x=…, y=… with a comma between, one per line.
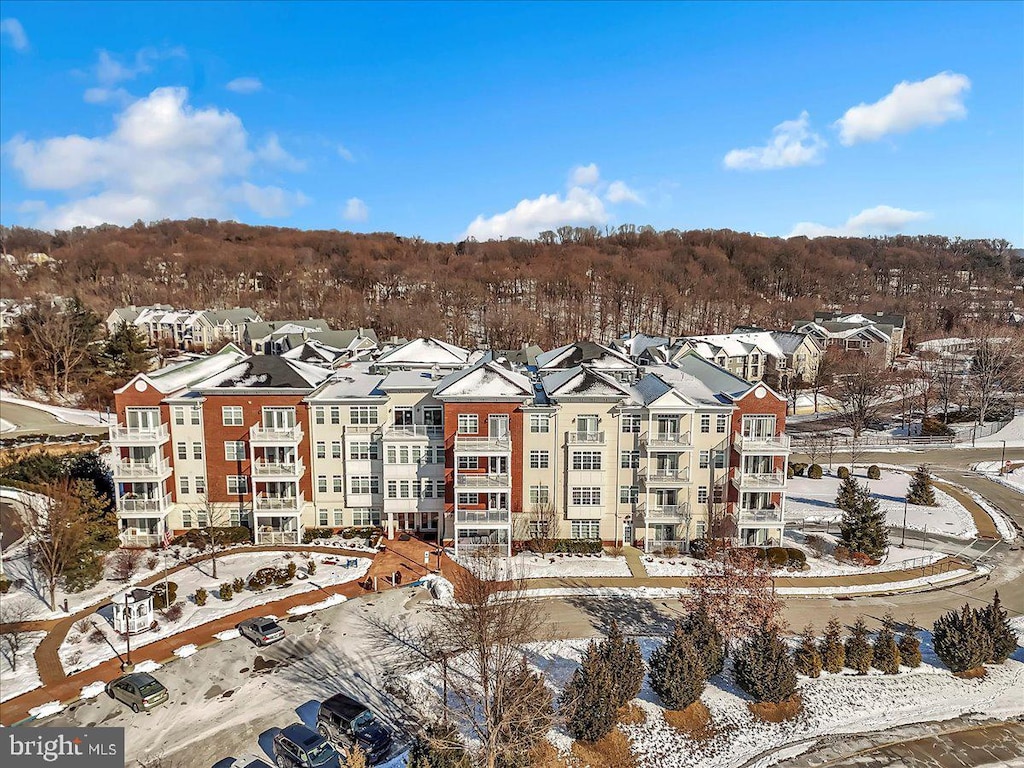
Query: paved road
x=34, y=421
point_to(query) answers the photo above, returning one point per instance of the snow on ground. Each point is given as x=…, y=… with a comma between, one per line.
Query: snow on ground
x=92, y=690
x=185, y=651
x=6, y=426
x=84, y=649
x=814, y=500
x=67, y=415
x=47, y=709
x=25, y=678
x=531, y=565
x=327, y=602
x=1012, y=433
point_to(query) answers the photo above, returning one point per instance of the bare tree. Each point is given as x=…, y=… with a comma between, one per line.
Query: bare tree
x=57, y=533
x=540, y=526
x=997, y=367
x=14, y=612
x=215, y=520
x=860, y=389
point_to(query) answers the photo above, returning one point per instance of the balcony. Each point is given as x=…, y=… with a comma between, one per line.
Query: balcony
x=483, y=480
x=759, y=516
x=662, y=476
x=151, y=435
x=759, y=481
x=667, y=513
x=270, y=537
x=770, y=444
x=267, y=435
x=272, y=470
x=483, y=517
x=140, y=540
x=291, y=504
x=138, y=469
x=670, y=441
x=413, y=432
x=127, y=505
x=586, y=438
x=481, y=445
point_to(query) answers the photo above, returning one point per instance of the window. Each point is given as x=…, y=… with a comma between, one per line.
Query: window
x=197, y=450
x=178, y=413
x=321, y=483
x=362, y=451
x=231, y=415
x=364, y=484
x=403, y=489
x=392, y=489
x=540, y=423
x=718, y=494
x=538, y=529
x=238, y=484
x=181, y=450
x=438, y=454
x=468, y=499
x=200, y=484
x=629, y=460
x=195, y=416
x=318, y=415
x=392, y=456
x=719, y=459
x=335, y=450
x=469, y=462
x=702, y=494
x=540, y=494
x=704, y=459
x=631, y=422
x=427, y=489
x=586, y=529
x=587, y=460
x=183, y=484
x=586, y=496
x=469, y=424
x=433, y=417
x=721, y=423
x=234, y=450
x=338, y=519
x=403, y=454
x=321, y=518
x=705, y=423
x=539, y=459
x=628, y=494
x=360, y=414
x=364, y=517
x=321, y=449
x=337, y=484
x=702, y=528
x=186, y=518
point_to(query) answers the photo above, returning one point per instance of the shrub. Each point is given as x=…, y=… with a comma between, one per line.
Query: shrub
x=262, y=578
x=932, y=427
x=225, y=591
x=763, y=667
x=174, y=612
x=885, y=655
x=5, y=585
x=578, y=546
x=588, y=702
x=862, y=527
x=699, y=549
x=858, y=649
x=910, y=647
x=625, y=664
x=200, y=596
x=316, y=533
x=707, y=641
x=874, y=473
x=82, y=626
x=292, y=569
x=96, y=636
x=997, y=623
x=796, y=558
x=777, y=557
x=961, y=640
x=311, y=566
x=843, y=473
x=816, y=544
x=807, y=657
x=814, y=471
x=670, y=551
x=921, y=491
x=238, y=584
x=677, y=672
x=348, y=533
x=125, y=563
x=833, y=654
x=789, y=472
x=152, y=562
x=798, y=468
x=199, y=538
x=164, y=594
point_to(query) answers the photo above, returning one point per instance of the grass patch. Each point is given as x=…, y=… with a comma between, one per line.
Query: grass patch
x=544, y=755
x=771, y=712
x=611, y=751
x=694, y=721
x=631, y=714
x=971, y=674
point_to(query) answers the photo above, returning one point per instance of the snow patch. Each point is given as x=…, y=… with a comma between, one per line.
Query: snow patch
x=92, y=690
x=47, y=709
x=228, y=634
x=185, y=651
x=302, y=610
x=147, y=666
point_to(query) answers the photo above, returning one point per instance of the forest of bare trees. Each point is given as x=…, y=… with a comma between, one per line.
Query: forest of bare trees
x=570, y=284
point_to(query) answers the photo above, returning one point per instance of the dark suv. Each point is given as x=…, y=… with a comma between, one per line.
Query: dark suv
x=300, y=747
x=344, y=721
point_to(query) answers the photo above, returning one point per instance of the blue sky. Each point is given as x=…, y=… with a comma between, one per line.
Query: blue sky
x=496, y=119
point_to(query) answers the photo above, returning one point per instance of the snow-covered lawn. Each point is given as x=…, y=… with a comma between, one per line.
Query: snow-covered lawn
x=25, y=678
x=1012, y=433
x=79, y=652
x=530, y=565
x=814, y=500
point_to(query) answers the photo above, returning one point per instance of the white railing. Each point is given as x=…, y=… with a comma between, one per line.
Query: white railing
x=140, y=468
x=278, y=537
x=488, y=480
x=141, y=505
x=669, y=476
x=586, y=438
x=364, y=429
x=768, y=480
x=140, y=539
x=267, y=434
x=482, y=516
x=264, y=468
x=668, y=512
x=279, y=503
x=658, y=545
x=413, y=431
x=470, y=443
x=759, y=516
x=158, y=433
x=666, y=439
x=759, y=443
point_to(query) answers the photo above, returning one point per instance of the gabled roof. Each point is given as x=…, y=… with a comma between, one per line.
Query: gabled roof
x=525, y=356
x=233, y=316
x=636, y=344
x=711, y=377
x=572, y=355
x=267, y=372
x=174, y=378
x=425, y=352
x=583, y=382
x=486, y=380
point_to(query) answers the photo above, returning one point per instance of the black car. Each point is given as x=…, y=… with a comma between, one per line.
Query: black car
x=343, y=721
x=299, y=747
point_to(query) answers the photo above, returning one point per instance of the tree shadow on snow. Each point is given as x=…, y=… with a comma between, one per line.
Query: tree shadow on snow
x=634, y=616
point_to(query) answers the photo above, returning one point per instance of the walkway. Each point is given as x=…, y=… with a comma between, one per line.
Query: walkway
x=982, y=519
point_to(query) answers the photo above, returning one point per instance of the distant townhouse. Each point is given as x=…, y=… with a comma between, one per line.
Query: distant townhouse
x=754, y=354
x=192, y=330
x=264, y=337
x=877, y=335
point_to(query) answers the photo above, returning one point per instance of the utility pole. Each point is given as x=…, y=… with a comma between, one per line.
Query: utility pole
x=903, y=540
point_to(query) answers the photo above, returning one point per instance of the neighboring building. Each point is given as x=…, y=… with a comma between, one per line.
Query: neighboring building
x=877, y=335
x=193, y=330
x=448, y=443
x=264, y=337
x=779, y=357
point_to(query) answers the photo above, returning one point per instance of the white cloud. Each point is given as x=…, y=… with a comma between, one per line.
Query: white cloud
x=906, y=107
x=273, y=153
x=880, y=220
x=580, y=207
x=245, y=85
x=793, y=143
x=355, y=210
x=346, y=154
x=584, y=175
x=163, y=159
x=109, y=72
x=620, y=192
x=100, y=95
x=14, y=33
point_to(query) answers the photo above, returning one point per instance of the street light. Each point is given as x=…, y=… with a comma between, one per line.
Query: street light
x=903, y=540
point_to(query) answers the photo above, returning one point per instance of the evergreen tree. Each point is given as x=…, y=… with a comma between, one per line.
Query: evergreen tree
x=707, y=641
x=588, y=701
x=677, y=672
x=806, y=657
x=625, y=663
x=961, y=639
x=921, y=491
x=885, y=655
x=438, y=746
x=533, y=725
x=764, y=668
x=910, y=646
x=125, y=352
x=997, y=624
x=858, y=649
x=862, y=527
x=833, y=654
x=846, y=499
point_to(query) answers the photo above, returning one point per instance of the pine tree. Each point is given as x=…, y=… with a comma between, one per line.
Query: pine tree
x=438, y=746
x=862, y=527
x=677, y=672
x=707, y=641
x=921, y=491
x=910, y=646
x=961, y=639
x=532, y=698
x=588, y=702
x=125, y=352
x=625, y=663
x=858, y=649
x=833, y=654
x=763, y=667
x=806, y=657
x=846, y=499
x=997, y=624
x=885, y=656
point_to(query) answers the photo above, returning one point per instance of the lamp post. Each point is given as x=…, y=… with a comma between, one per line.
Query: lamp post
x=1002, y=459
x=903, y=540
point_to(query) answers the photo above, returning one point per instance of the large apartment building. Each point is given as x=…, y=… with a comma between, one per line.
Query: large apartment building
x=454, y=445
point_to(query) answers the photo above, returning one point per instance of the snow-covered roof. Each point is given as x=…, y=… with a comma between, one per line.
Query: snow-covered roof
x=583, y=382
x=349, y=383
x=173, y=378
x=267, y=372
x=411, y=380
x=486, y=380
x=425, y=352
x=596, y=355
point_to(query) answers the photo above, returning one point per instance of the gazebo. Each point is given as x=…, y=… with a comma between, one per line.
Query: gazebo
x=133, y=612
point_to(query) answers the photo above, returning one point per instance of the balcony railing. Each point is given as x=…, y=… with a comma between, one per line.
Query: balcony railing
x=586, y=438
x=489, y=480
x=671, y=440
x=761, y=443
x=266, y=503
x=760, y=480
x=141, y=540
x=264, y=468
x=130, y=505
x=413, y=432
x=278, y=537
x=482, y=516
x=669, y=513
x=153, y=435
x=138, y=468
x=772, y=515
x=268, y=434
x=483, y=444
x=662, y=476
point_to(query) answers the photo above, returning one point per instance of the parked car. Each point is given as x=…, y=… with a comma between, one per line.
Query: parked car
x=343, y=721
x=139, y=690
x=261, y=631
x=247, y=761
x=300, y=747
